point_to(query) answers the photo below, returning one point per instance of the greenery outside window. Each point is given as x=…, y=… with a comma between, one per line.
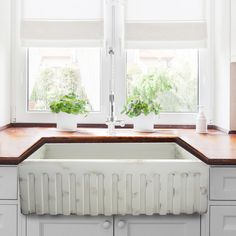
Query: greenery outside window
x=175, y=68
x=54, y=72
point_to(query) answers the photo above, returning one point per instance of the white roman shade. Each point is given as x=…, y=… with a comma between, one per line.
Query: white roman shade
x=62, y=23
x=165, y=24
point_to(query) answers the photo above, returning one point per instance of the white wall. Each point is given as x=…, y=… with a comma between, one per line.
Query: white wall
x=225, y=71
x=233, y=96
x=5, y=62
x=222, y=64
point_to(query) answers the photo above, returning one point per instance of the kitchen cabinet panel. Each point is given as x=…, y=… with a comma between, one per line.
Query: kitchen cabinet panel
x=8, y=220
x=223, y=183
x=223, y=221
x=69, y=226
x=158, y=225
x=8, y=183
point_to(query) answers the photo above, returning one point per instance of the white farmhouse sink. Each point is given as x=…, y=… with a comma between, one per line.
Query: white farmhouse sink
x=113, y=178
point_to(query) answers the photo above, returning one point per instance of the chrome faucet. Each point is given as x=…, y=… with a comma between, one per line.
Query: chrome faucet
x=111, y=121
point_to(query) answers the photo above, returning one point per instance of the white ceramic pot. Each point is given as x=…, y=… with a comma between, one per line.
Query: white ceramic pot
x=66, y=122
x=144, y=123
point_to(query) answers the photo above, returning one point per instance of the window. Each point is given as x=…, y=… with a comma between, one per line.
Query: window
x=53, y=72
x=176, y=68
x=62, y=50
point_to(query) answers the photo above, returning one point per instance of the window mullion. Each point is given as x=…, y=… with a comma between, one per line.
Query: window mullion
x=114, y=39
x=120, y=57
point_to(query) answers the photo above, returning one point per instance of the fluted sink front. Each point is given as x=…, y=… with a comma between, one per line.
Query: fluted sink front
x=113, y=178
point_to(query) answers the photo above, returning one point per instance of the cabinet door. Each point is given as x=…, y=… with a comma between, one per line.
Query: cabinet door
x=8, y=182
x=8, y=219
x=223, y=221
x=158, y=226
x=69, y=226
x=223, y=183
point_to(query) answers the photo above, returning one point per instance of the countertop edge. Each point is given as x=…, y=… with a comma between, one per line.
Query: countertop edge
x=112, y=139
x=213, y=148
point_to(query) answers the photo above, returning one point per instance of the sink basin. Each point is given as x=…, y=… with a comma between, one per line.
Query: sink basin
x=113, y=178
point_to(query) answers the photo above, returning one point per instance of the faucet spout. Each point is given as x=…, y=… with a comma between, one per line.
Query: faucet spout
x=112, y=106
x=111, y=121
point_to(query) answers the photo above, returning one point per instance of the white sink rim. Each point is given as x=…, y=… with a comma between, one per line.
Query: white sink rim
x=110, y=152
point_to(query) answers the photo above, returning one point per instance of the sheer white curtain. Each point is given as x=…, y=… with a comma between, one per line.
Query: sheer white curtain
x=62, y=23
x=165, y=24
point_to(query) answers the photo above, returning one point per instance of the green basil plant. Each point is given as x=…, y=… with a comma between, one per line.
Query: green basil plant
x=70, y=104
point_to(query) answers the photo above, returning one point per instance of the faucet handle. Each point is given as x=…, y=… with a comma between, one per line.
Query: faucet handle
x=120, y=123
x=111, y=125
x=111, y=128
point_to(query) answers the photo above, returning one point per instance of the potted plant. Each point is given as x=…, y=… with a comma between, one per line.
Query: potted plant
x=67, y=108
x=143, y=104
x=143, y=113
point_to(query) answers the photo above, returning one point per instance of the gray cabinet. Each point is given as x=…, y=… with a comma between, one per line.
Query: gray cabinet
x=8, y=183
x=223, y=183
x=8, y=201
x=69, y=226
x=122, y=226
x=8, y=220
x=223, y=221
x=223, y=201
x=157, y=225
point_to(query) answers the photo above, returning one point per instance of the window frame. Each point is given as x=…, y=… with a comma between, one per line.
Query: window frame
x=179, y=118
x=197, y=81
x=46, y=111
x=19, y=111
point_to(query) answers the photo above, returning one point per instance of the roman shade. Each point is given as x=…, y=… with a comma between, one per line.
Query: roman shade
x=64, y=23
x=165, y=24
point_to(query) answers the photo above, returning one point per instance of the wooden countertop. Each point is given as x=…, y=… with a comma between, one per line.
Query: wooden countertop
x=214, y=148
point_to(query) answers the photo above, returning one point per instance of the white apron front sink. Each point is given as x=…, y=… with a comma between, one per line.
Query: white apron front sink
x=113, y=178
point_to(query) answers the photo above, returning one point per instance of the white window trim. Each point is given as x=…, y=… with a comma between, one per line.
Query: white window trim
x=175, y=118
x=19, y=86
x=22, y=115
x=205, y=87
x=19, y=112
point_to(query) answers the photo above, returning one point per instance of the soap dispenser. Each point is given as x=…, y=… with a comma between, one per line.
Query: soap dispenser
x=201, y=122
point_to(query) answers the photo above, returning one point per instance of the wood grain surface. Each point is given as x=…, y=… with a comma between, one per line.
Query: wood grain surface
x=214, y=148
